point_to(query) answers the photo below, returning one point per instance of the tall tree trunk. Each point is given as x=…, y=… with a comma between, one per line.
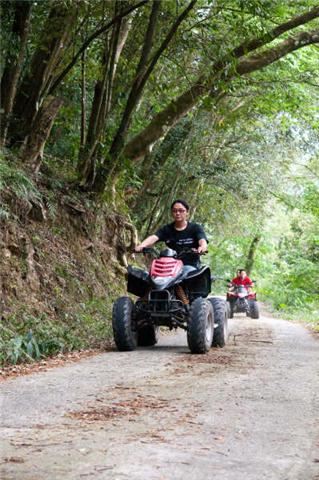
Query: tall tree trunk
x=251, y=254
x=32, y=151
x=56, y=32
x=87, y=43
x=153, y=165
x=83, y=100
x=102, y=97
x=14, y=63
x=143, y=73
x=137, y=86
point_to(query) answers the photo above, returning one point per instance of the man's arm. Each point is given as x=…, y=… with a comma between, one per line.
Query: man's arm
x=148, y=242
x=202, y=246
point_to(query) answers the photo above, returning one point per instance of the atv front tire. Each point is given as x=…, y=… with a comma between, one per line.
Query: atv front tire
x=221, y=319
x=200, y=326
x=147, y=336
x=253, y=309
x=125, y=335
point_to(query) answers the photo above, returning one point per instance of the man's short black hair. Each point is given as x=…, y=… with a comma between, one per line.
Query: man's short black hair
x=182, y=202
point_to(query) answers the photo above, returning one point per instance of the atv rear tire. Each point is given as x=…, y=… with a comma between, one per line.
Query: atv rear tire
x=221, y=319
x=231, y=310
x=201, y=326
x=147, y=336
x=125, y=335
x=253, y=309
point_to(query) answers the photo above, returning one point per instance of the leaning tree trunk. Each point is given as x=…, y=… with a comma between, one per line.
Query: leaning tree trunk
x=252, y=253
x=171, y=144
x=32, y=151
x=154, y=164
x=14, y=63
x=140, y=145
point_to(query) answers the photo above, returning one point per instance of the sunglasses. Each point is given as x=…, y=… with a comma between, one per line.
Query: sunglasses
x=178, y=210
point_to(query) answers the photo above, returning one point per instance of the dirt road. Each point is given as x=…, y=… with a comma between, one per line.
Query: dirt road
x=249, y=411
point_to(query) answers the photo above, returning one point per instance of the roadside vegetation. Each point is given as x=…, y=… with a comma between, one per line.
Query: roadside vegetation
x=109, y=111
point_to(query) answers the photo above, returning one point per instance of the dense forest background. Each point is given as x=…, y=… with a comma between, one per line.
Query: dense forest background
x=110, y=110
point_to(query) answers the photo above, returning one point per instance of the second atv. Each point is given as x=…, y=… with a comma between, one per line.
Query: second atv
x=242, y=300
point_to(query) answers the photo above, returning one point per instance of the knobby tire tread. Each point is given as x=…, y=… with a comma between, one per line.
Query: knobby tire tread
x=196, y=335
x=124, y=337
x=147, y=336
x=221, y=318
x=254, y=309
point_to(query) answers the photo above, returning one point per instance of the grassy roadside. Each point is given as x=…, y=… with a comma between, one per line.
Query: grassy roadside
x=309, y=316
x=306, y=315
x=26, y=338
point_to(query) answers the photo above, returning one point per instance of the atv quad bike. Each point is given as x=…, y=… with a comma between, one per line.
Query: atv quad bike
x=169, y=295
x=240, y=300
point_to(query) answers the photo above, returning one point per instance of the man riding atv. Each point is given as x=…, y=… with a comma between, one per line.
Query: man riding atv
x=173, y=293
x=240, y=296
x=180, y=234
x=242, y=279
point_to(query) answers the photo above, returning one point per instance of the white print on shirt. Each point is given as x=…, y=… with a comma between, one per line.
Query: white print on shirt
x=183, y=241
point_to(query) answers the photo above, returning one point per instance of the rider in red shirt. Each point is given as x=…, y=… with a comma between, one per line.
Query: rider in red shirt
x=242, y=279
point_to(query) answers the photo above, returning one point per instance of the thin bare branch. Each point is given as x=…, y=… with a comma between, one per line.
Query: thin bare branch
x=92, y=37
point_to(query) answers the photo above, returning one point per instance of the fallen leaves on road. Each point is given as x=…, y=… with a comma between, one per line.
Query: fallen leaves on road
x=210, y=357
x=123, y=408
x=13, y=460
x=43, y=365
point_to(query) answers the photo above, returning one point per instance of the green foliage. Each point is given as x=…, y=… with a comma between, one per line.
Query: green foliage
x=19, y=348
x=14, y=178
x=4, y=213
x=286, y=266
x=25, y=338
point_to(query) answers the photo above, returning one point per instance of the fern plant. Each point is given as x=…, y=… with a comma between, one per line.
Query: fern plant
x=18, y=181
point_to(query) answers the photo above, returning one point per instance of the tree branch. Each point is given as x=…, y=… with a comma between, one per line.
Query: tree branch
x=92, y=37
x=143, y=75
x=179, y=107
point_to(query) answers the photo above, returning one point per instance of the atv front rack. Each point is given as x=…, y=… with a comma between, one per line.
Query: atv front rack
x=162, y=309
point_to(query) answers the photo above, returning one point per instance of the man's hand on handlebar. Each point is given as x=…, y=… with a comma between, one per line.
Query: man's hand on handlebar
x=201, y=249
x=192, y=251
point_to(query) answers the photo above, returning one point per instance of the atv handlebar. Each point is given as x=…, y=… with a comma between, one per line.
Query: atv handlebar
x=240, y=284
x=215, y=277
x=149, y=250
x=156, y=253
x=230, y=283
x=189, y=251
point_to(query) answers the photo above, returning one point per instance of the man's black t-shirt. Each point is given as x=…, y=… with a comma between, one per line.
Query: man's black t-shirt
x=180, y=239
